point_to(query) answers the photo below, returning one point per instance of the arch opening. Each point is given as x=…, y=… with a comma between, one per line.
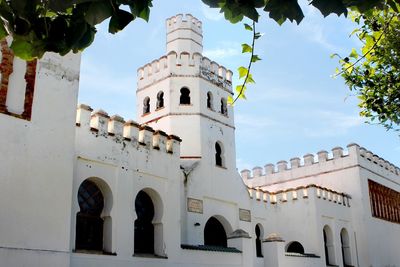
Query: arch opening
x=219, y=155
x=209, y=100
x=224, y=108
x=146, y=105
x=345, y=244
x=259, y=233
x=329, y=246
x=93, y=222
x=144, y=229
x=185, y=96
x=214, y=233
x=160, y=100
x=295, y=247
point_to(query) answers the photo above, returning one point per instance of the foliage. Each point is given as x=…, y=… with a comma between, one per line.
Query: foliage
x=373, y=73
x=60, y=26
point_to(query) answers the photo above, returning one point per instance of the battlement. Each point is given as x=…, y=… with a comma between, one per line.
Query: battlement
x=184, y=64
x=100, y=123
x=181, y=21
x=322, y=157
x=298, y=193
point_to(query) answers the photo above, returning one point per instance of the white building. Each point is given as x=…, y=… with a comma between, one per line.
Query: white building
x=81, y=188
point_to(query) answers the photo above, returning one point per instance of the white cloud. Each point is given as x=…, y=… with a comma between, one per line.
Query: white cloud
x=211, y=13
x=332, y=124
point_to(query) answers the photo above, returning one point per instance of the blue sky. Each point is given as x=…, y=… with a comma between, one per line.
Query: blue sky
x=294, y=108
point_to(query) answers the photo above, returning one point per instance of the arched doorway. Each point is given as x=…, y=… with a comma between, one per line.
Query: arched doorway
x=329, y=246
x=89, y=224
x=214, y=233
x=345, y=242
x=144, y=229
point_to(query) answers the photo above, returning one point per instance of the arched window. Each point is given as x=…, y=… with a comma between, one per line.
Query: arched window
x=224, y=108
x=209, y=100
x=329, y=246
x=295, y=247
x=185, y=96
x=160, y=100
x=89, y=224
x=144, y=229
x=214, y=233
x=146, y=105
x=219, y=155
x=258, y=241
x=346, y=253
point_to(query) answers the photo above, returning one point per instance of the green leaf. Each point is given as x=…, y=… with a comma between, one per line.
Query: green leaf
x=141, y=8
x=255, y=58
x=248, y=27
x=3, y=32
x=119, y=20
x=330, y=6
x=353, y=53
x=98, y=12
x=257, y=35
x=246, y=48
x=242, y=72
x=240, y=90
x=23, y=49
x=281, y=10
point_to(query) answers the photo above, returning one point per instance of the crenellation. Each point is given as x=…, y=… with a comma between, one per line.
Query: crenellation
x=337, y=152
x=181, y=21
x=295, y=163
x=269, y=168
x=245, y=174
x=257, y=171
x=302, y=192
x=282, y=166
x=99, y=121
x=131, y=131
x=308, y=159
x=146, y=136
x=83, y=115
x=173, y=144
x=160, y=140
x=116, y=125
x=322, y=156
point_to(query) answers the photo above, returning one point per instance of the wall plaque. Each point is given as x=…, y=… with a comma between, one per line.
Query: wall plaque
x=195, y=205
x=244, y=215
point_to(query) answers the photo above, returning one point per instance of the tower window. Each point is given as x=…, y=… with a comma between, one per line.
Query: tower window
x=258, y=242
x=160, y=100
x=224, y=109
x=214, y=233
x=146, y=105
x=219, y=155
x=209, y=100
x=185, y=96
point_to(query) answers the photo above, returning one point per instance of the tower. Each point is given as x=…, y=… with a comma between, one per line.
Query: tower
x=185, y=93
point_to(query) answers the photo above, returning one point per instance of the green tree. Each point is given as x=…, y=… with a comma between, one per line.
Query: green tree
x=373, y=72
x=62, y=26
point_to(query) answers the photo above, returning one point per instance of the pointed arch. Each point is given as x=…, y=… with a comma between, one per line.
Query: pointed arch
x=224, y=107
x=210, y=100
x=329, y=246
x=146, y=105
x=345, y=244
x=160, y=100
x=215, y=232
x=259, y=234
x=219, y=154
x=185, y=96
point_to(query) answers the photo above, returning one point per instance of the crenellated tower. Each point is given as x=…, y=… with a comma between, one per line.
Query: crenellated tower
x=185, y=93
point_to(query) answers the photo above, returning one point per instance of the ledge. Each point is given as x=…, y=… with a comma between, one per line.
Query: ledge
x=210, y=248
x=305, y=255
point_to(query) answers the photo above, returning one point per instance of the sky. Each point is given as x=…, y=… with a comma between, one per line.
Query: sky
x=295, y=107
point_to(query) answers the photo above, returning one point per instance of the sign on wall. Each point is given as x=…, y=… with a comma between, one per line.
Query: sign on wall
x=244, y=215
x=195, y=205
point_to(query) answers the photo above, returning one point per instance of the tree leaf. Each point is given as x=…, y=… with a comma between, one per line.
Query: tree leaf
x=119, y=20
x=280, y=10
x=242, y=72
x=330, y=6
x=23, y=49
x=248, y=27
x=98, y=12
x=246, y=48
x=255, y=58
